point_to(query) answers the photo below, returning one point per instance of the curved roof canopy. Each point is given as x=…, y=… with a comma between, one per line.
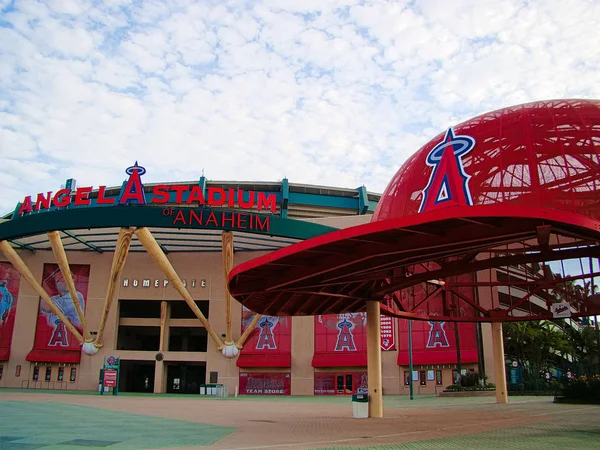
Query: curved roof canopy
x=516, y=188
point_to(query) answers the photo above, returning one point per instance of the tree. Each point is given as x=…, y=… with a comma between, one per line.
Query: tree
x=536, y=346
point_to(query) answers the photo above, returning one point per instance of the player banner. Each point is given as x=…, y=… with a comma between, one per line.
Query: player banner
x=51, y=333
x=388, y=341
x=9, y=294
x=265, y=383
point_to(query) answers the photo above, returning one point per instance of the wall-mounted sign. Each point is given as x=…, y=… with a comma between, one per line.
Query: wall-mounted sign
x=218, y=219
x=561, y=310
x=133, y=192
x=160, y=283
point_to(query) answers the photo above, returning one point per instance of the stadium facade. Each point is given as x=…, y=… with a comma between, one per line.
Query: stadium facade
x=160, y=341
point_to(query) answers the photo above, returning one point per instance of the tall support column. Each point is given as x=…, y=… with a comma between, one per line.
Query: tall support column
x=499, y=370
x=164, y=326
x=160, y=375
x=227, y=247
x=374, y=359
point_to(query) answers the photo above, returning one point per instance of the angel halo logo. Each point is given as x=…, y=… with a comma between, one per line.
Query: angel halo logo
x=448, y=183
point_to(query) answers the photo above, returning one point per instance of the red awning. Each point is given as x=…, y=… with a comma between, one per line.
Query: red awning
x=264, y=361
x=4, y=353
x=337, y=272
x=54, y=356
x=428, y=358
x=340, y=359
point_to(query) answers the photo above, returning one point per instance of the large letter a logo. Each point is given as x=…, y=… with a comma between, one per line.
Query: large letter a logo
x=448, y=184
x=437, y=335
x=266, y=340
x=59, y=335
x=345, y=340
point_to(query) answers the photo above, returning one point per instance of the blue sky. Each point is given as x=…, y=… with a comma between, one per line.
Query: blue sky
x=329, y=92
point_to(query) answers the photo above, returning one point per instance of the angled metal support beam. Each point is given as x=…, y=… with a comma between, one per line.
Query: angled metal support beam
x=83, y=241
x=21, y=245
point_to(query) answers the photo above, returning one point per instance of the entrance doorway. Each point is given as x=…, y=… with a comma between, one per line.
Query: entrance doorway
x=344, y=383
x=185, y=378
x=136, y=376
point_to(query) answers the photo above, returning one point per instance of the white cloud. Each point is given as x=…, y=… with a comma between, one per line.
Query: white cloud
x=329, y=92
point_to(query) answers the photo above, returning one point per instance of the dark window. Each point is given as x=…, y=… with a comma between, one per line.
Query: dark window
x=1, y=370
x=438, y=378
x=406, y=378
x=61, y=374
x=214, y=377
x=73, y=375
x=48, y=373
x=181, y=310
x=36, y=373
x=143, y=309
x=138, y=338
x=423, y=377
x=188, y=339
x=455, y=376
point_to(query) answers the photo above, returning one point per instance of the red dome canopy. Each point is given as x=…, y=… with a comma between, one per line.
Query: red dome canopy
x=544, y=154
x=514, y=188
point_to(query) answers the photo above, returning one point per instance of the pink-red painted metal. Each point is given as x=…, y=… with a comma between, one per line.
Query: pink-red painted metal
x=542, y=154
x=502, y=196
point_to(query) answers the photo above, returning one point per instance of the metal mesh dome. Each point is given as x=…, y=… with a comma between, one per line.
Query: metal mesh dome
x=543, y=154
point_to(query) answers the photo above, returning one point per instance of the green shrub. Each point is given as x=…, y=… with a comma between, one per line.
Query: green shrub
x=469, y=379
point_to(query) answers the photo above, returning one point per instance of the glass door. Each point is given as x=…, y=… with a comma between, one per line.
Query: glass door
x=344, y=383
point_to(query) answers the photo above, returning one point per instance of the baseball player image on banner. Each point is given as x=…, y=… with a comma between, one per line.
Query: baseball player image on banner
x=51, y=333
x=9, y=294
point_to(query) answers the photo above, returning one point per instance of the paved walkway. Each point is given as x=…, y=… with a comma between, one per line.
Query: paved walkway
x=35, y=420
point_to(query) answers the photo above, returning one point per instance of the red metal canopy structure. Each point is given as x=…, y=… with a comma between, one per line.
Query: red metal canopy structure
x=495, y=203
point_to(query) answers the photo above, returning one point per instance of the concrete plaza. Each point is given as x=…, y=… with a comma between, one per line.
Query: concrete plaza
x=45, y=420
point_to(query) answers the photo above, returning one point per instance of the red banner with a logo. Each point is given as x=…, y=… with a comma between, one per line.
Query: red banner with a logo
x=269, y=343
x=9, y=294
x=53, y=341
x=265, y=383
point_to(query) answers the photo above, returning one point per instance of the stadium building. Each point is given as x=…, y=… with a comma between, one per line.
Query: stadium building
x=161, y=344
x=460, y=241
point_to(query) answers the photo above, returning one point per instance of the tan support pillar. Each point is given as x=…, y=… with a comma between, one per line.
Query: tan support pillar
x=499, y=370
x=374, y=359
x=160, y=377
x=160, y=368
x=164, y=326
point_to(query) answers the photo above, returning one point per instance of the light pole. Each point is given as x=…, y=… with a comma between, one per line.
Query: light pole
x=410, y=359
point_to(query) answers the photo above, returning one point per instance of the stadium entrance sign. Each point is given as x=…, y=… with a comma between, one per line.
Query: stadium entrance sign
x=133, y=192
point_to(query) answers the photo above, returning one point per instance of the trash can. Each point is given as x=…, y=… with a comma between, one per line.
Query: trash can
x=360, y=406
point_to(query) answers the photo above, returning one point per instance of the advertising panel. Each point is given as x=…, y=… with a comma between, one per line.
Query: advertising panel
x=51, y=333
x=341, y=333
x=9, y=294
x=271, y=335
x=265, y=383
